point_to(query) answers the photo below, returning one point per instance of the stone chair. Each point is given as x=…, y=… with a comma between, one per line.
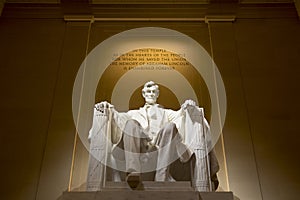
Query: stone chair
x=200, y=170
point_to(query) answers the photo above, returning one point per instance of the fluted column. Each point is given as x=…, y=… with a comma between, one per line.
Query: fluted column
x=297, y=5
x=1, y=6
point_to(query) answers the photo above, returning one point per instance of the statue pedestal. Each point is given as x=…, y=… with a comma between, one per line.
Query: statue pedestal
x=148, y=191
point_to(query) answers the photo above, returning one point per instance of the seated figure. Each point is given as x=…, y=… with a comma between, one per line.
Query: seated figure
x=151, y=139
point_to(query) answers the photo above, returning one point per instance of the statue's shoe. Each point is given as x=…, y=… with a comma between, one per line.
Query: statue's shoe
x=134, y=180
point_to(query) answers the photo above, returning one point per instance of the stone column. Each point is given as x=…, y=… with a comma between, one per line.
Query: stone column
x=297, y=5
x=1, y=6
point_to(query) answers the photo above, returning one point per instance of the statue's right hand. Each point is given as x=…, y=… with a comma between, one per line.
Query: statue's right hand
x=102, y=106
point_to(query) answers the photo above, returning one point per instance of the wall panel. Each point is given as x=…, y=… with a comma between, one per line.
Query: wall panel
x=30, y=53
x=269, y=55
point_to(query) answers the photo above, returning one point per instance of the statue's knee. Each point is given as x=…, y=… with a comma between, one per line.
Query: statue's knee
x=131, y=128
x=170, y=127
x=132, y=123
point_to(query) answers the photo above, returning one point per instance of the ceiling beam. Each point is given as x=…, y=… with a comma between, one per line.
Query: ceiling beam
x=208, y=18
x=137, y=12
x=76, y=6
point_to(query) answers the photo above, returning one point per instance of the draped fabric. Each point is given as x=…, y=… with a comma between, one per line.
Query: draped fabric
x=191, y=124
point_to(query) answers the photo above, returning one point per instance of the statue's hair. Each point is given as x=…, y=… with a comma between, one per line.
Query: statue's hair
x=150, y=84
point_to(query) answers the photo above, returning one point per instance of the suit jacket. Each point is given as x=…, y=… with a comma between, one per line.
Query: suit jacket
x=157, y=119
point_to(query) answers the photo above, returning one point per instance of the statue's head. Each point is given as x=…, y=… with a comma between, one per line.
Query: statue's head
x=150, y=92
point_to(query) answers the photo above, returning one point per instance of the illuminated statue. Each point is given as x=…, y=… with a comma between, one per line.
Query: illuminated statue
x=151, y=139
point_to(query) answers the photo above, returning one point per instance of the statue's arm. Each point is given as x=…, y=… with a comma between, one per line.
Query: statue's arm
x=103, y=106
x=117, y=123
x=174, y=115
x=188, y=103
x=100, y=116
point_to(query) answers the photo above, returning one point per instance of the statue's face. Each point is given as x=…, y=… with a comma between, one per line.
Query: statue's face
x=150, y=94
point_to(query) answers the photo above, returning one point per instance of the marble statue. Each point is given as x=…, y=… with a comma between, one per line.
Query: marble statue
x=151, y=139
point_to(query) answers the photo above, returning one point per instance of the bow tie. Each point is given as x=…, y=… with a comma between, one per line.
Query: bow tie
x=149, y=105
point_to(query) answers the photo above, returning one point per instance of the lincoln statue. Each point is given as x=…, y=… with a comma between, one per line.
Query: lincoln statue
x=151, y=138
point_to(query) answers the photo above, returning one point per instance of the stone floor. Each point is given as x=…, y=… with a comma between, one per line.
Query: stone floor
x=147, y=191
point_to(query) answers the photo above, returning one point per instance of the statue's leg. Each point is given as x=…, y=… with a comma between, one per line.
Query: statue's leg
x=134, y=142
x=132, y=145
x=167, y=140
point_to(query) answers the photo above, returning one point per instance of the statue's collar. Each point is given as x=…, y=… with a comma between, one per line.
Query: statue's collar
x=150, y=105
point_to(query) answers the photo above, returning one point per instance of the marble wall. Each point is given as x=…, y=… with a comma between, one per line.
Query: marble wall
x=257, y=56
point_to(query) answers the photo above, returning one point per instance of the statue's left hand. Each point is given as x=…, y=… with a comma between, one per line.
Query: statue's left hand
x=188, y=103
